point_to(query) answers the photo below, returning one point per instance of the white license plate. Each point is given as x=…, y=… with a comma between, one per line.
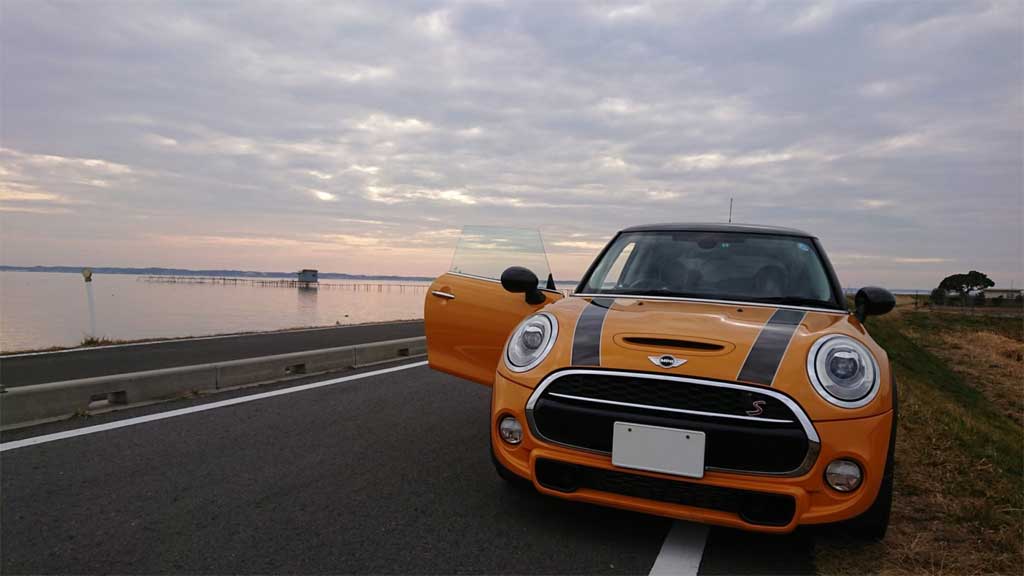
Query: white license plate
x=658, y=449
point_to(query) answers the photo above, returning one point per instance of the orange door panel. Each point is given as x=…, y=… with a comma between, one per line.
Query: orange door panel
x=467, y=322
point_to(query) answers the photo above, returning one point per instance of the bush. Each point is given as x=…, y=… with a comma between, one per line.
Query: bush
x=979, y=299
x=937, y=297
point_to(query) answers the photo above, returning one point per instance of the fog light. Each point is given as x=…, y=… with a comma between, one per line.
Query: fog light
x=510, y=430
x=843, y=475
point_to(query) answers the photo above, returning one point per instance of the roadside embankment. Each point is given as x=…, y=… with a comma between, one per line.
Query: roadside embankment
x=33, y=404
x=38, y=368
x=959, y=501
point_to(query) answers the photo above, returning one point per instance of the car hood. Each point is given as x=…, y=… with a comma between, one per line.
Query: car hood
x=756, y=345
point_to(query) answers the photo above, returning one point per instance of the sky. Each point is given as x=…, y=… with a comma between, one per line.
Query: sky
x=361, y=137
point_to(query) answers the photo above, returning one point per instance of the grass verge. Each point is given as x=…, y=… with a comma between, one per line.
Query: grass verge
x=959, y=502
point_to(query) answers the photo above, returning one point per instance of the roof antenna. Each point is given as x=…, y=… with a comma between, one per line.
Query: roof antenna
x=730, y=210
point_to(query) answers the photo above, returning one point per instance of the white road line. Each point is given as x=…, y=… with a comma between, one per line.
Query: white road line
x=200, y=408
x=682, y=550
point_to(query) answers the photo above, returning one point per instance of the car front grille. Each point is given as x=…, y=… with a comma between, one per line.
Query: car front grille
x=747, y=429
x=754, y=507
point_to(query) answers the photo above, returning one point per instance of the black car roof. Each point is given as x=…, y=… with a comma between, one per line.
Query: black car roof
x=714, y=227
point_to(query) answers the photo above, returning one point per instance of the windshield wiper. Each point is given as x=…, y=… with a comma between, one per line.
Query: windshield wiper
x=782, y=300
x=657, y=292
x=796, y=301
x=663, y=293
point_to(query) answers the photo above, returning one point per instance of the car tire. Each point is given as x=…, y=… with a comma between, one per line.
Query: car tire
x=506, y=474
x=874, y=522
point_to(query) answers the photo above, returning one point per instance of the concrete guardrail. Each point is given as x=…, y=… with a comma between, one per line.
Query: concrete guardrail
x=23, y=405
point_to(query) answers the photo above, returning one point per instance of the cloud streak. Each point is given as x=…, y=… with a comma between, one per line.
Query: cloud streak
x=356, y=137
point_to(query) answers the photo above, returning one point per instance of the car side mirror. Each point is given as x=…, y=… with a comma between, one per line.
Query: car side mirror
x=517, y=279
x=872, y=301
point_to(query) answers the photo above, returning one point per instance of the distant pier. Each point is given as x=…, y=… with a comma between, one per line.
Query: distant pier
x=285, y=283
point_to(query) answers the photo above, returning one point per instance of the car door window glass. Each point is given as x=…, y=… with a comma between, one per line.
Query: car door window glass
x=486, y=252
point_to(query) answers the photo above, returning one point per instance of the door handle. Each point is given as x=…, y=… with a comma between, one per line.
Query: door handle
x=445, y=295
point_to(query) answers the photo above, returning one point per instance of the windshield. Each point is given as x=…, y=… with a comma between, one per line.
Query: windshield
x=716, y=265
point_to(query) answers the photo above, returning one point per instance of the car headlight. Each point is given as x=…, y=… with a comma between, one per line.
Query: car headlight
x=531, y=342
x=843, y=371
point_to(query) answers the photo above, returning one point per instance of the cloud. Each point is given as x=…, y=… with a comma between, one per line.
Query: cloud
x=159, y=141
x=385, y=123
x=881, y=89
x=33, y=209
x=579, y=244
x=716, y=160
x=55, y=162
x=473, y=132
x=953, y=24
x=364, y=169
x=628, y=12
x=613, y=163
x=23, y=196
x=324, y=196
x=887, y=130
x=815, y=15
x=879, y=258
x=920, y=260
x=435, y=24
x=38, y=183
x=360, y=221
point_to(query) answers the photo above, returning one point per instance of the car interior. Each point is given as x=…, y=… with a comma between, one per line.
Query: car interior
x=720, y=266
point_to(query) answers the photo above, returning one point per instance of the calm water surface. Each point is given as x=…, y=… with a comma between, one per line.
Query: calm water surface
x=39, y=309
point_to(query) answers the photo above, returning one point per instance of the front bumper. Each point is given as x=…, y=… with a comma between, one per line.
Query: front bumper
x=720, y=497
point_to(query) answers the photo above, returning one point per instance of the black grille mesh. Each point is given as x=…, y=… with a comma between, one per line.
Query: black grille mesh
x=731, y=444
x=754, y=507
x=671, y=394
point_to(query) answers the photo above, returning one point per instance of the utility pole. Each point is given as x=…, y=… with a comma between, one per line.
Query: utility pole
x=730, y=210
x=87, y=274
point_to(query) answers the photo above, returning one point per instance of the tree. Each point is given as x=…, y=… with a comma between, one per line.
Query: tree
x=964, y=284
x=937, y=297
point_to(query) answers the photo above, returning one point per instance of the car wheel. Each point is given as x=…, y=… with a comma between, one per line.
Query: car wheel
x=873, y=523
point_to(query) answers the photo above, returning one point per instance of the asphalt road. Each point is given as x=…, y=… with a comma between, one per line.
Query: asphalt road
x=25, y=369
x=383, y=474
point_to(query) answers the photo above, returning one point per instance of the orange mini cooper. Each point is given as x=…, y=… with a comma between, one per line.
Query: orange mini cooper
x=706, y=372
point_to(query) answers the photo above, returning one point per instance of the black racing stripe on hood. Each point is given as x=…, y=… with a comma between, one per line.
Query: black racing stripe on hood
x=586, y=340
x=766, y=354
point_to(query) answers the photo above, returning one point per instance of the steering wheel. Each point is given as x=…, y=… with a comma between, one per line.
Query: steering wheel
x=770, y=281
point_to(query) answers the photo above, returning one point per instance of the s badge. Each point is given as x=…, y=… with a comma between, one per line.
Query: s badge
x=666, y=361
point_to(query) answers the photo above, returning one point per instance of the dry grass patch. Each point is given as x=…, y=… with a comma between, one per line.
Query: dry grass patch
x=992, y=363
x=959, y=491
x=988, y=353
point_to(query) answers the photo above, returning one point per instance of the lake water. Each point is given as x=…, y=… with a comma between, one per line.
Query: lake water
x=39, y=309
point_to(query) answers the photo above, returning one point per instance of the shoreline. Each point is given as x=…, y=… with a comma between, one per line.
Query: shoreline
x=219, y=273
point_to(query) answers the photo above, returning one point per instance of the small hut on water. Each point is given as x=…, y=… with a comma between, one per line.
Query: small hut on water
x=308, y=278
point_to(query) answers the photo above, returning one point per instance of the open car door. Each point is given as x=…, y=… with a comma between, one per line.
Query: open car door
x=468, y=314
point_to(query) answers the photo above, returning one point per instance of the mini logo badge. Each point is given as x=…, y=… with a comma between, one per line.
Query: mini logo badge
x=666, y=361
